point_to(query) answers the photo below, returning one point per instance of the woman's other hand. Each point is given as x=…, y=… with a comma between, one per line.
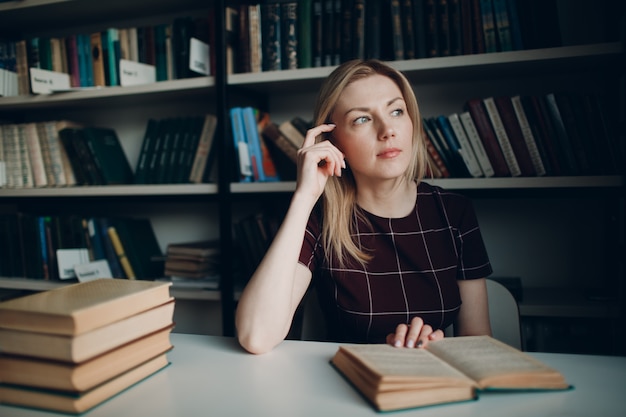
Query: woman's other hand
x=416, y=334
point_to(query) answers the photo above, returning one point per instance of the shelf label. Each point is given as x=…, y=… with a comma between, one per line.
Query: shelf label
x=46, y=82
x=93, y=270
x=67, y=259
x=199, y=56
x=136, y=73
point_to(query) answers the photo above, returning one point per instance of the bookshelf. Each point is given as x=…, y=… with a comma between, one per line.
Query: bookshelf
x=555, y=286
x=178, y=212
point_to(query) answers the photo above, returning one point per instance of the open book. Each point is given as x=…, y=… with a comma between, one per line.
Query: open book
x=449, y=370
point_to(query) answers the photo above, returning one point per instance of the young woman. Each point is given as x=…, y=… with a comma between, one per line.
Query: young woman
x=393, y=259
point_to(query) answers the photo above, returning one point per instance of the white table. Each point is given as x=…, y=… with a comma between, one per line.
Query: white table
x=212, y=376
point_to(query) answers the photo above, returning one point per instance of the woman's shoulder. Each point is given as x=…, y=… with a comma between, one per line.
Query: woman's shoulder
x=426, y=189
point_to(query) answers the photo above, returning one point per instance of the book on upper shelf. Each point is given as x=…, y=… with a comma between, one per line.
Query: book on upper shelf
x=108, y=154
x=449, y=370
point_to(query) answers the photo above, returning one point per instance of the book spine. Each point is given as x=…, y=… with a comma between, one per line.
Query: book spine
x=459, y=157
x=203, y=148
x=289, y=35
x=503, y=25
x=477, y=110
x=443, y=27
x=501, y=135
x=488, y=26
x=305, y=30
x=432, y=29
x=543, y=131
x=270, y=37
x=97, y=59
x=271, y=131
x=408, y=28
x=26, y=171
x=560, y=134
x=513, y=130
x=396, y=30
x=435, y=156
x=468, y=152
x=36, y=156
x=358, y=31
x=328, y=32
x=529, y=138
x=252, y=138
x=267, y=162
x=254, y=16
x=241, y=147
x=121, y=254
x=477, y=145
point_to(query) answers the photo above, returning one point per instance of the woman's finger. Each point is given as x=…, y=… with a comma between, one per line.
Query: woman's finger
x=314, y=132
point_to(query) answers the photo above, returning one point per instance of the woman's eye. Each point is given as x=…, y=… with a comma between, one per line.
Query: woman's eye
x=360, y=120
x=397, y=112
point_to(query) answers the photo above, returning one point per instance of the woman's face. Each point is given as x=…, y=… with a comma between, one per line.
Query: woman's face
x=374, y=130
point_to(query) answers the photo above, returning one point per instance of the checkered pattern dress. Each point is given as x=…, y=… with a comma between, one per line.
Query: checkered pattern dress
x=416, y=263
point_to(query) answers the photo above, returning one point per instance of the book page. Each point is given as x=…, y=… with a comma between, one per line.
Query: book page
x=398, y=364
x=491, y=362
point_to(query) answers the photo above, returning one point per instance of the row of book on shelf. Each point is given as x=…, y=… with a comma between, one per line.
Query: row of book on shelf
x=64, y=247
x=71, y=348
x=264, y=150
x=62, y=153
x=93, y=59
x=554, y=134
x=267, y=36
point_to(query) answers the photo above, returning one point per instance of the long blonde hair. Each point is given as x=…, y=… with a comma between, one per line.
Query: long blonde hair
x=339, y=209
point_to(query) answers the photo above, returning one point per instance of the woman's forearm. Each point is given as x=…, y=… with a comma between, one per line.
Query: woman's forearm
x=267, y=304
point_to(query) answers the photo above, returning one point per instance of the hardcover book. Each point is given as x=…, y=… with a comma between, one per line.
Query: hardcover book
x=77, y=403
x=79, y=308
x=449, y=370
x=64, y=376
x=85, y=346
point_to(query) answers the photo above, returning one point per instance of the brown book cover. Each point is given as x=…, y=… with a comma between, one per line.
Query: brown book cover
x=80, y=308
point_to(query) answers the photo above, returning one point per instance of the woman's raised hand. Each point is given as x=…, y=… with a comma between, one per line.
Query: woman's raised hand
x=318, y=161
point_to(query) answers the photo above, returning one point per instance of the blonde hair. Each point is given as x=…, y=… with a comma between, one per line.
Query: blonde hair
x=339, y=208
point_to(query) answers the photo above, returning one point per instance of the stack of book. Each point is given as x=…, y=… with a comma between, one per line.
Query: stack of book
x=193, y=264
x=71, y=348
